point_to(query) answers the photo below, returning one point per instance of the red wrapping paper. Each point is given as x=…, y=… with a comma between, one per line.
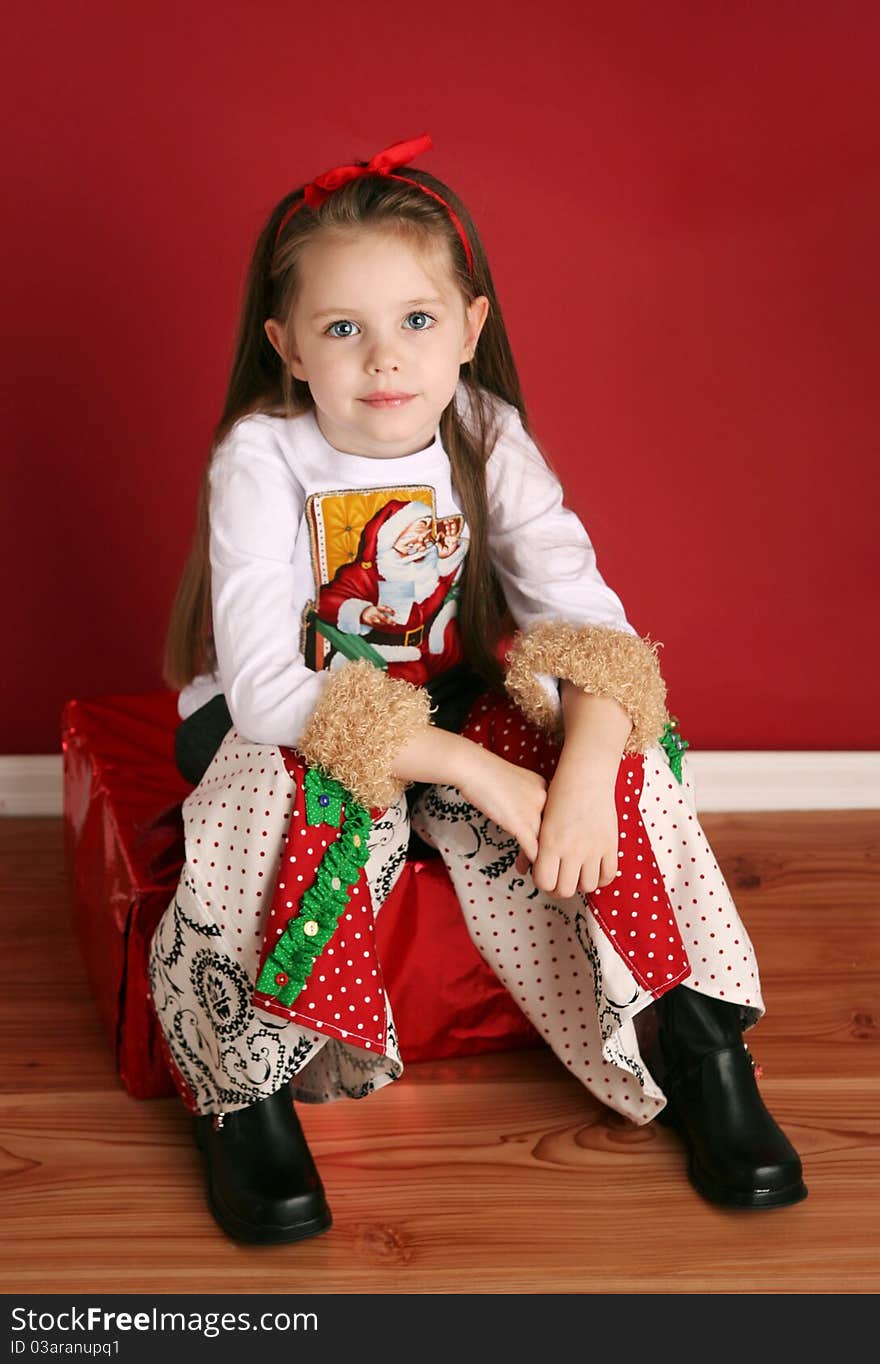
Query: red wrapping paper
x=445, y=999
x=123, y=851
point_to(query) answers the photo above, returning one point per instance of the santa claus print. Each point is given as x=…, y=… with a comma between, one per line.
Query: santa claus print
x=388, y=570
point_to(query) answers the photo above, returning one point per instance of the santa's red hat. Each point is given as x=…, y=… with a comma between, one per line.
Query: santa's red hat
x=387, y=525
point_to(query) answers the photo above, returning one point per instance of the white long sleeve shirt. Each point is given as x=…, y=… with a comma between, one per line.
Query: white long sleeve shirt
x=299, y=573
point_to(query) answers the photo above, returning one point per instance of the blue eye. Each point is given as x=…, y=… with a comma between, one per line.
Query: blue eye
x=342, y=323
x=427, y=315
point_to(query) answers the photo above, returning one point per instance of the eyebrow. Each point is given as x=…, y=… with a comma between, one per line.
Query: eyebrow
x=344, y=312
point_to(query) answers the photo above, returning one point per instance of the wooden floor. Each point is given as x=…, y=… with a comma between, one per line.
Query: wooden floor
x=486, y=1175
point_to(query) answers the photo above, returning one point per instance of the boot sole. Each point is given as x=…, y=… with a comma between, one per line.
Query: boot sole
x=744, y=1198
x=260, y=1234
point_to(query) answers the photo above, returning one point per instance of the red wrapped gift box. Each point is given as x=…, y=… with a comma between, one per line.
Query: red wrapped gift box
x=124, y=850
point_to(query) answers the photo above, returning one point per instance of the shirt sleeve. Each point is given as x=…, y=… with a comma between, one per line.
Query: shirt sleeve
x=540, y=548
x=256, y=506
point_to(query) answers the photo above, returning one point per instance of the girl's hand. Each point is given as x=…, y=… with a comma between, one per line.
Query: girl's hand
x=513, y=796
x=577, y=841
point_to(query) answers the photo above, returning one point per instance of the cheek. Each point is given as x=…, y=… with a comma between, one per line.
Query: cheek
x=332, y=362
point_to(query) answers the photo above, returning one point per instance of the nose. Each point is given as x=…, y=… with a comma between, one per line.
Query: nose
x=382, y=356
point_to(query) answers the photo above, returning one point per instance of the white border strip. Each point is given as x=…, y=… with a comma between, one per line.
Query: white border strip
x=759, y=780
x=31, y=784
x=762, y=780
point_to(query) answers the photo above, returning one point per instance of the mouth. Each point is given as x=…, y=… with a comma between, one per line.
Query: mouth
x=387, y=399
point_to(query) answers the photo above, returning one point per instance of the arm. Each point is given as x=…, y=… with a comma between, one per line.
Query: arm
x=577, y=668
x=255, y=509
x=513, y=796
x=596, y=729
x=577, y=848
x=434, y=755
x=571, y=624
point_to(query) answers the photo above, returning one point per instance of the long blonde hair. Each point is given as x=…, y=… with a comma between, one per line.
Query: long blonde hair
x=261, y=382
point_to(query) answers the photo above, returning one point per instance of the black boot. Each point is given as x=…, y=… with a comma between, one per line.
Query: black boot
x=262, y=1182
x=738, y=1155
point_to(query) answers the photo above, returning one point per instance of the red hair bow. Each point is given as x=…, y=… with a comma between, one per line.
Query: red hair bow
x=398, y=154
x=383, y=163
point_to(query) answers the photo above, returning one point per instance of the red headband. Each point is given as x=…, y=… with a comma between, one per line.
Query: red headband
x=383, y=163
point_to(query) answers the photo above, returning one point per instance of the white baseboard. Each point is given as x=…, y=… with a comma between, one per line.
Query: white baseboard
x=31, y=784
x=786, y=780
x=842, y=780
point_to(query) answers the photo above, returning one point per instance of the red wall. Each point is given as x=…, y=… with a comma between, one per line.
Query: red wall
x=681, y=206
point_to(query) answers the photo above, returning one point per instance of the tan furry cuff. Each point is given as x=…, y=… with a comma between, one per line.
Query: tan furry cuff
x=362, y=720
x=600, y=660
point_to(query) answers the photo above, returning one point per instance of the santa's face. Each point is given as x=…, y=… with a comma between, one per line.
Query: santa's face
x=412, y=558
x=376, y=315
x=415, y=541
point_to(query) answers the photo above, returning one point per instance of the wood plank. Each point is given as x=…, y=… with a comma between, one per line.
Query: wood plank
x=487, y=1174
x=482, y=1187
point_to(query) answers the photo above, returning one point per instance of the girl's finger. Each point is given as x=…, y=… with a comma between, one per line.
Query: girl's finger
x=567, y=881
x=608, y=869
x=589, y=877
x=530, y=846
x=546, y=871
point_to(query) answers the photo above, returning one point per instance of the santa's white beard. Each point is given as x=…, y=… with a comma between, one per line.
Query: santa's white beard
x=403, y=581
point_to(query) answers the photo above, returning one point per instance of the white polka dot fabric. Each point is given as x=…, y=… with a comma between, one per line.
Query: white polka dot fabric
x=722, y=959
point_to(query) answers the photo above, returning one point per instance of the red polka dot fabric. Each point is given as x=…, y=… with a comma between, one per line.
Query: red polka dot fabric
x=496, y=722
x=343, y=995
x=635, y=910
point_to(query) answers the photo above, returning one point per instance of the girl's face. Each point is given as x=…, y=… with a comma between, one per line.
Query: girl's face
x=376, y=316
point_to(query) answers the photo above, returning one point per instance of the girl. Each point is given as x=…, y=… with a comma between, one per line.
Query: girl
x=375, y=520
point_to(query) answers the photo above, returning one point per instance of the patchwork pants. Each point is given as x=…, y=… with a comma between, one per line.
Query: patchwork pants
x=581, y=968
